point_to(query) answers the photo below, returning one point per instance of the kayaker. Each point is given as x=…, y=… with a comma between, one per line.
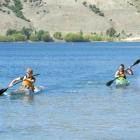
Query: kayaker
x=122, y=72
x=27, y=81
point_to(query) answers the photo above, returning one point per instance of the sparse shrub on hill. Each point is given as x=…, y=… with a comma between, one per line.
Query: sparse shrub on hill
x=101, y=14
x=7, y=1
x=16, y=8
x=111, y=32
x=2, y=10
x=85, y=3
x=8, y=12
x=96, y=10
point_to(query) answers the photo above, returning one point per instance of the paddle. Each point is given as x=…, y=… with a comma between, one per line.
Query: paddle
x=111, y=81
x=5, y=89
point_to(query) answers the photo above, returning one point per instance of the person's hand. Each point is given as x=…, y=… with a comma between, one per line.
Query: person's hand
x=129, y=70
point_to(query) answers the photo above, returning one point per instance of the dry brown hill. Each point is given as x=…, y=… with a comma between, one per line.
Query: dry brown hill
x=71, y=15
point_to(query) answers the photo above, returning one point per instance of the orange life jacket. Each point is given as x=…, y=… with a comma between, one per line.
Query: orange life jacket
x=28, y=84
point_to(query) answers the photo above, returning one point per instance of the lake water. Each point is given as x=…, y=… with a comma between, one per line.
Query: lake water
x=76, y=104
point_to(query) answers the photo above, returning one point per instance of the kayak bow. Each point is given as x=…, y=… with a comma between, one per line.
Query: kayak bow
x=121, y=82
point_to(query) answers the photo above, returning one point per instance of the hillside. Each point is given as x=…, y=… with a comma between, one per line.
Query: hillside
x=71, y=15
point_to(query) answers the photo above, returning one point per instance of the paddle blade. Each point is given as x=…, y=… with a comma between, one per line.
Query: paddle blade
x=3, y=90
x=136, y=62
x=109, y=83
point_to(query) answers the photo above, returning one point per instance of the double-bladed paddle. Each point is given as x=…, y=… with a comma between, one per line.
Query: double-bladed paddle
x=111, y=81
x=5, y=89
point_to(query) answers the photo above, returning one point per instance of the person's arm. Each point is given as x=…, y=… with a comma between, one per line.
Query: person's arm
x=14, y=81
x=116, y=74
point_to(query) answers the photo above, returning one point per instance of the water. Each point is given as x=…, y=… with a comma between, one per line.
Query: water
x=76, y=105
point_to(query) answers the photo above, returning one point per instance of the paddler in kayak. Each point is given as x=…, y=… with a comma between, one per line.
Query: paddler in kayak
x=122, y=72
x=27, y=81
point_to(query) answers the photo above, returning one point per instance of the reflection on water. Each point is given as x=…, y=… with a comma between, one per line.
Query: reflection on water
x=26, y=98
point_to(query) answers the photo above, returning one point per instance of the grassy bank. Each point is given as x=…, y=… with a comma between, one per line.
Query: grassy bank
x=27, y=34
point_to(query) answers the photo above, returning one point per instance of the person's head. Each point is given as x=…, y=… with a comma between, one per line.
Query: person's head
x=121, y=68
x=29, y=72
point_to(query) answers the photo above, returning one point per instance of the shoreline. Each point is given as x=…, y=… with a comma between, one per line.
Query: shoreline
x=128, y=40
x=132, y=39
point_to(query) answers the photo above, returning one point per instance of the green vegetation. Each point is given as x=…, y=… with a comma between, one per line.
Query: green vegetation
x=80, y=37
x=111, y=32
x=7, y=1
x=85, y=3
x=33, y=37
x=96, y=10
x=11, y=32
x=135, y=3
x=18, y=37
x=2, y=10
x=98, y=37
x=43, y=36
x=13, y=38
x=17, y=9
x=46, y=37
x=58, y=35
x=74, y=37
x=94, y=37
x=28, y=34
x=40, y=34
x=5, y=38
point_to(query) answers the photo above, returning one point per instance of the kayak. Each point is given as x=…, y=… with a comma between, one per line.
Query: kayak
x=24, y=92
x=121, y=82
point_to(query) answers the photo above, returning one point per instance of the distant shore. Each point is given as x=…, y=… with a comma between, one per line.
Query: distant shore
x=132, y=39
x=30, y=35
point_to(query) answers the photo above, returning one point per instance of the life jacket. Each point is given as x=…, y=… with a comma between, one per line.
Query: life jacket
x=27, y=83
x=121, y=74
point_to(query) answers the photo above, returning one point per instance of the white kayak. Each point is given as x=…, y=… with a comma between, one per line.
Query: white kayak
x=20, y=92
